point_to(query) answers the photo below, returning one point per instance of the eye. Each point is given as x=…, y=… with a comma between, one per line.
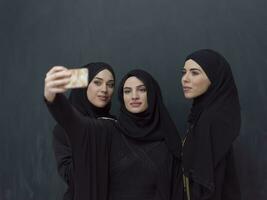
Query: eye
x=183, y=72
x=126, y=91
x=142, y=89
x=195, y=72
x=110, y=85
x=97, y=82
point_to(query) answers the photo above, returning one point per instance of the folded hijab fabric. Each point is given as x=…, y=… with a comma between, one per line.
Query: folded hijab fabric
x=78, y=97
x=155, y=123
x=214, y=124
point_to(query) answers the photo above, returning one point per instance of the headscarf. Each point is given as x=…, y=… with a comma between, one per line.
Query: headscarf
x=78, y=97
x=153, y=124
x=61, y=143
x=214, y=120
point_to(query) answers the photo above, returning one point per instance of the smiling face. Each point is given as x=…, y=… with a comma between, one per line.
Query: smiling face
x=195, y=82
x=135, y=95
x=100, y=89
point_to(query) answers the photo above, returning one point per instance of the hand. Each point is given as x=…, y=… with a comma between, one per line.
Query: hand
x=56, y=79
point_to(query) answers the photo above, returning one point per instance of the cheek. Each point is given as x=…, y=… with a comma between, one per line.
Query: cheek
x=202, y=86
x=144, y=98
x=110, y=91
x=145, y=103
x=125, y=99
x=91, y=92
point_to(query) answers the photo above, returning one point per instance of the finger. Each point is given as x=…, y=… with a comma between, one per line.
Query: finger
x=56, y=69
x=58, y=75
x=57, y=83
x=58, y=90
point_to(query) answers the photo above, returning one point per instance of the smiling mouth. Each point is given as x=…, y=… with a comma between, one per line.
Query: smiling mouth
x=103, y=98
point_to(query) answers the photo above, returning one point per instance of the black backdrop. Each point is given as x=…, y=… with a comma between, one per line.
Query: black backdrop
x=152, y=34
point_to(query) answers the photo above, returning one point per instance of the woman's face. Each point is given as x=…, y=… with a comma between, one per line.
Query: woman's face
x=100, y=89
x=195, y=82
x=135, y=95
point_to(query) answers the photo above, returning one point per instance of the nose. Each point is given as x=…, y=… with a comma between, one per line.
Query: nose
x=104, y=88
x=185, y=78
x=135, y=95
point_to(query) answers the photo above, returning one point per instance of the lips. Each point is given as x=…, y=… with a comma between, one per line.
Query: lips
x=135, y=104
x=186, y=88
x=103, y=98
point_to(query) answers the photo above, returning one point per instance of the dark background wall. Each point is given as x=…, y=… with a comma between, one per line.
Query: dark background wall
x=152, y=34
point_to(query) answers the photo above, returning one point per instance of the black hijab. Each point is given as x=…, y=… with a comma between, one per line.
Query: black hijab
x=214, y=120
x=61, y=143
x=78, y=97
x=154, y=124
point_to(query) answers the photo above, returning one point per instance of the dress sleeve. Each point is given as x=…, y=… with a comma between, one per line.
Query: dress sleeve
x=72, y=121
x=90, y=141
x=65, y=114
x=63, y=154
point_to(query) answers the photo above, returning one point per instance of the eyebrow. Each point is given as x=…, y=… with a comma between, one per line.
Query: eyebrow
x=102, y=79
x=192, y=69
x=136, y=86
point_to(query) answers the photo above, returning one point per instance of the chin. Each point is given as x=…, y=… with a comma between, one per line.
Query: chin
x=188, y=96
x=133, y=110
x=100, y=104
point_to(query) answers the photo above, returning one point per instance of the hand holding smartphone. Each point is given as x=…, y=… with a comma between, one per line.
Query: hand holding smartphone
x=79, y=78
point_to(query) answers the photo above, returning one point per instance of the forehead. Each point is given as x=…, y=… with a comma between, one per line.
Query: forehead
x=133, y=82
x=191, y=64
x=104, y=74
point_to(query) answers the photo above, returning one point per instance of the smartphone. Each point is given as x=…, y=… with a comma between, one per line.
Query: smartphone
x=78, y=79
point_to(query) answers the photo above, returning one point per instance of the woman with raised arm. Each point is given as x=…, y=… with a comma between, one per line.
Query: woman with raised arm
x=93, y=101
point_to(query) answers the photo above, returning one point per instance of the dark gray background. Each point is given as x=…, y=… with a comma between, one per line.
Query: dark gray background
x=152, y=34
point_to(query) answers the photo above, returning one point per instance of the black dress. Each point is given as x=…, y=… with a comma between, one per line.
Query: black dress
x=213, y=125
x=63, y=154
x=61, y=144
x=107, y=164
x=224, y=175
x=128, y=160
x=139, y=170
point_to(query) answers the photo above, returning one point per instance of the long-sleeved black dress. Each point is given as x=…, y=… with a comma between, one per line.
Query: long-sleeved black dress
x=213, y=125
x=224, y=175
x=108, y=164
x=61, y=144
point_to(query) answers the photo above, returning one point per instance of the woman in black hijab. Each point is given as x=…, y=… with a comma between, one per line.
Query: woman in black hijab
x=80, y=100
x=213, y=125
x=149, y=140
x=134, y=156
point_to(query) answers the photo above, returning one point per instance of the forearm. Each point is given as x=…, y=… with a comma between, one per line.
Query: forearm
x=66, y=116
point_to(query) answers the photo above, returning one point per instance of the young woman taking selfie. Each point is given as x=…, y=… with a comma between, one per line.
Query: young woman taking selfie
x=93, y=101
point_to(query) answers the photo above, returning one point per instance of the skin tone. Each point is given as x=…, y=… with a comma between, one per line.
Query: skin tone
x=195, y=81
x=101, y=88
x=135, y=95
x=99, y=91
